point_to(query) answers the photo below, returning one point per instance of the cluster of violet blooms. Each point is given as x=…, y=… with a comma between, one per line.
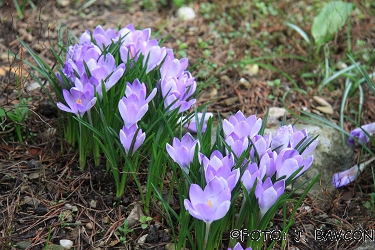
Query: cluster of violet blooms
x=89, y=65
x=345, y=177
x=277, y=157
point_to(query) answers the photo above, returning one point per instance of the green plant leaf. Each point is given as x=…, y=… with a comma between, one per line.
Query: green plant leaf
x=330, y=20
x=299, y=30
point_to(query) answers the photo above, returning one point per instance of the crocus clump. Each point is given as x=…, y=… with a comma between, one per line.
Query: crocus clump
x=91, y=62
x=127, y=91
x=264, y=173
x=104, y=60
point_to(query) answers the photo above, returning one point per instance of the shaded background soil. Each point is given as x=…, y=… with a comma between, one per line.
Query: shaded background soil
x=43, y=196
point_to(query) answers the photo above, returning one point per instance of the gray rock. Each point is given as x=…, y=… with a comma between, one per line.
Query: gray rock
x=367, y=245
x=55, y=247
x=330, y=156
x=24, y=244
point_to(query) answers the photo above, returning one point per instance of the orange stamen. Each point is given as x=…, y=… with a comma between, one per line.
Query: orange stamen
x=209, y=202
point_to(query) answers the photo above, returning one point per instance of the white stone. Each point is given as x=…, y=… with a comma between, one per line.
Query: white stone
x=93, y=204
x=276, y=112
x=68, y=206
x=66, y=244
x=142, y=239
x=251, y=69
x=32, y=86
x=134, y=216
x=325, y=109
x=185, y=13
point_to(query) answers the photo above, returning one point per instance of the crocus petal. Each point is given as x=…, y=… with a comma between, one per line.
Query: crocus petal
x=196, y=194
x=222, y=210
x=189, y=207
x=206, y=211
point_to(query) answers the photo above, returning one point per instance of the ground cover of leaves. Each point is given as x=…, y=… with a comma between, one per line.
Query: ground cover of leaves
x=43, y=196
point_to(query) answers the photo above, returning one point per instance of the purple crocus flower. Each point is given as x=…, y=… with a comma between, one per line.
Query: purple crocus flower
x=220, y=166
x=102, y=37
x=241, y=126
x=289, y=161
x=238, y=145
x=182, y=152
x=153, y=55
x=83, y=52
x=134, y=42
x=191, y=125
x=177, y=91
x=74, y=66
x=217, y=160
x=298, y=136
x=283, y=138
x=260, y=145
x=173, y=67
x=127, y=136
x=251, y=174
x=78, y=100
x=231, y=176
x=177, y=84
x=134, y=106
x=345, y=177
x=268, y=193
x=239, y=247
x=268, y=160
x=360, y=135
x=289, y=137
x=209, y=204
x=104, y=70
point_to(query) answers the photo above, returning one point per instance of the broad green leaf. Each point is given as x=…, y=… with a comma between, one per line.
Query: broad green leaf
x=330, y=20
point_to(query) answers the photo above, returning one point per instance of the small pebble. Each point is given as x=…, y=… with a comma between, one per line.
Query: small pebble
x=63, y=3
x=89, y=226
x=185, y=13
x=230, y=101
x=245, y=83
x=68, y=206
x=74, y=208
x=142, y=239
x=33, y=164
x=24, y=188
x=24, y=244
x=307, y=209
x=41, y=210
x=327, y=110
x=93, y=204
x=251, y=69
x=106, y=220
x=276, y=112
x=66, y=244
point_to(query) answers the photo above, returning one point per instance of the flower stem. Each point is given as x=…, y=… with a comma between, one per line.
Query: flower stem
x=208, y=224
x=82, y=151
x=239, y=214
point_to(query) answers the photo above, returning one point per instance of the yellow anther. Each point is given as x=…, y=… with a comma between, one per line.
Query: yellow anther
x=79, y=101
x=209, y=202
